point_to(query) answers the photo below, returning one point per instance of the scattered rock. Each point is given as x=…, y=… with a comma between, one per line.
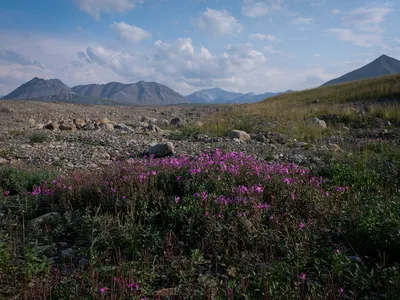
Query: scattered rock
x=51, y=219
x=334, y=148
x=51, y=126
x=163, y=123
x=103, y=120
x=107, y=126
x=152, y=121
x=261, y=138
x=5, y=109
x=84, y=262
x=79, y=123
x=198, y=124
x=67, y=127
x=162, y=149
x=355, y=258
x=176, y=122
x=239, y=134
x=298, y=144
x=3, y=161
x=320, y=123
x=32, y=121
x=154, y=128
x=67, y=253
x=101, y=156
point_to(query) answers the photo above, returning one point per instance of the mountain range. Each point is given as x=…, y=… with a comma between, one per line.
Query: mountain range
x=217, y=95
x=153, y=93
x=383, y=65
x=54, y=90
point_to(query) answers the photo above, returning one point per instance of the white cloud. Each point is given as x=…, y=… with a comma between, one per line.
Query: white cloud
x=126, y=65
x=366, y=16
x=130, y=33
x=301, y=20
x=358, y=39
x=272, y=50
x=335, y=11
x=218, y=23
x=95, y=7
x=258, y=8
x=262, y=37
x=179, y=64
x=17, y=58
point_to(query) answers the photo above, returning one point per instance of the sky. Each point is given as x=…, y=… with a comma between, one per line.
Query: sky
x=238, y=45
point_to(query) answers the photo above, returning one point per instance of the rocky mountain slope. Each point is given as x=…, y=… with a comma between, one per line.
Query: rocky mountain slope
x=383, y=65
x=146, y=93
x=54, y=90
x=220, y=96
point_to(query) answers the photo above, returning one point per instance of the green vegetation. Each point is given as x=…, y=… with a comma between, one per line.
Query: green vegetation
x=219, y=225
x=38, y=138
x=291, y=113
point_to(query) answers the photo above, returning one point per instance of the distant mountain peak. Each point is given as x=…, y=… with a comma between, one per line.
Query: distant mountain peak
x=381, y=66
x=217, y=95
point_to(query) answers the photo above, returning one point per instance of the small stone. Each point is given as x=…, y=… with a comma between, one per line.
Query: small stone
x=84, y=262
x=31, y=121
x=101, y=156
x=162, y=149
x=67, y=253
x=355, y=258
x=154, y=128
x=320, y=123
x=334, y=147
x=52, y=218
x=260, y=138
x=239, y=134
x=79, y=123
x=103, y=120
x=297, y=144
x=152, y=121
x=107, y=126
x=51, y=126
x=3, y=161
x=176, y=122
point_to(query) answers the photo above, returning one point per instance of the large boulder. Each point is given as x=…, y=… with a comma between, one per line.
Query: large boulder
x=162, y=149
x=239, y=134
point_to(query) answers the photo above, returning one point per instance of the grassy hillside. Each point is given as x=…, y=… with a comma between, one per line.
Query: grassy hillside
x=376, y=88
x=291, y=113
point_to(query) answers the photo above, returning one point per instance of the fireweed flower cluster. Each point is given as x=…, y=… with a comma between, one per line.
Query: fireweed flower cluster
x=225, y=183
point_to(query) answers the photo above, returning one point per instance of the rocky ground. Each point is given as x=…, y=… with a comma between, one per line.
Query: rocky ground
x=69, y=136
